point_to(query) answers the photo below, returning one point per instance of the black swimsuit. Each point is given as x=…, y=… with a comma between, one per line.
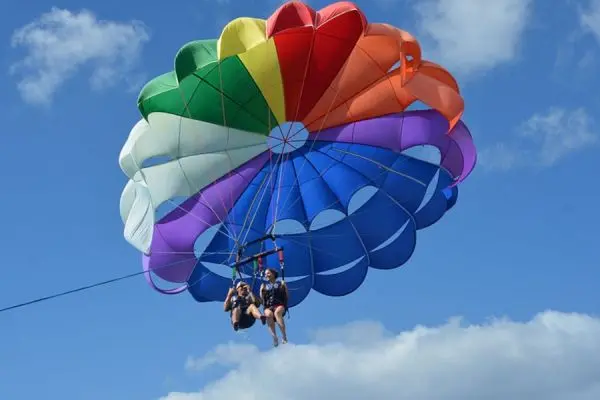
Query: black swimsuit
x=274, y=295
x=246, y=320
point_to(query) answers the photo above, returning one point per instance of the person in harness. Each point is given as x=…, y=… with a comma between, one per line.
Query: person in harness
x=243, y=306
x=274, y=297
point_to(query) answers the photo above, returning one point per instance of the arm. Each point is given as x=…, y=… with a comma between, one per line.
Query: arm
x=262, y=293
x=227, y=303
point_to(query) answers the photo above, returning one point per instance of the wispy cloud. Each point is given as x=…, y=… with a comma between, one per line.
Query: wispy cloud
x=576, y=56
x=60, y=43
x=502, y=157
x=472, y=36
x=589, y=18
x=555, y=356
x=543, y=140
x=229, y=354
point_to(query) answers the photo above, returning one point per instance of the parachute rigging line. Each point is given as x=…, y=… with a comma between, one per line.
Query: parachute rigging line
x=84, y=288
x=79, y=289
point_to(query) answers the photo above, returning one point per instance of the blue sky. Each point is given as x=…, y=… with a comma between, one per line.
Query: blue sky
x=521, y=240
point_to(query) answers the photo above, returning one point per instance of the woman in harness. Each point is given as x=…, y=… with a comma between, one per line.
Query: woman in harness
x=243, y=307
x=274, y=296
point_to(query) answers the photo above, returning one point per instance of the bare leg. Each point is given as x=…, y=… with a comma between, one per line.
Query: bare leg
x=281, y=323
x=252, y=310
x=271, y=325
x=235, y=317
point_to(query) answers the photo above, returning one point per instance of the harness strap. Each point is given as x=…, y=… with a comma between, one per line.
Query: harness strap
x=254, y=272
x=235, y=270
x=281, y=263
x=260, y=265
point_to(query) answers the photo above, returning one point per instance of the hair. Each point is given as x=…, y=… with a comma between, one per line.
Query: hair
x=273, y=271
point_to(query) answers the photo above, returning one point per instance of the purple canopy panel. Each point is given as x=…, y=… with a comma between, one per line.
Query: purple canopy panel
x=172, y=255
x=399, y=132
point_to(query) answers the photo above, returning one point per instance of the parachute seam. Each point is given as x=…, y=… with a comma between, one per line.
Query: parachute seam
x=300, y=97
x=367, y=256
x=300, y=196
x=176, y=86
x=320, y=175
x=199, y=191
x=258, y=207
x=329, y=110
x=370, y=85
x=351, y=98
x=156, y=228
x=312, y=262
x=242, y=227
x=390, y=150
x=398, y=156
x=382, y=190
x=240, y=105
x=410, y=216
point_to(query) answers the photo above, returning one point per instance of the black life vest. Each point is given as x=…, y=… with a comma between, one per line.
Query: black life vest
x=274, y=294
x=240, y=301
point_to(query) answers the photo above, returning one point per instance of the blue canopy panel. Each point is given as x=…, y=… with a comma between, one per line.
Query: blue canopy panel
x=333, y=259
x=249, y=212
x=451, y=195
x=404, y=178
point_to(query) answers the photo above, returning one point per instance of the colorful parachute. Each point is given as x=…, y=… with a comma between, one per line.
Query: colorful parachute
x=296, y=127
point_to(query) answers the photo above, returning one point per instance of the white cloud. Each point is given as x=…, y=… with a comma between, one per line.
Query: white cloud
x=229, y=354
x=575, y=56
x=60, y=43
x=472, y=36
x=590, y=18
x=559, y=132
x=502, y=157
x=543, y=140
x=555, y=356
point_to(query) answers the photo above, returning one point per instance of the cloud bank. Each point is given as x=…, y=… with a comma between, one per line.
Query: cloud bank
x=543, y=140
x=589, y=18
x=554, y=356
x=60, y=43
x=472, y=36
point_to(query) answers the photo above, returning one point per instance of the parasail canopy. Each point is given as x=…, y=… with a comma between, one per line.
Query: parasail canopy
x=292, y=132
